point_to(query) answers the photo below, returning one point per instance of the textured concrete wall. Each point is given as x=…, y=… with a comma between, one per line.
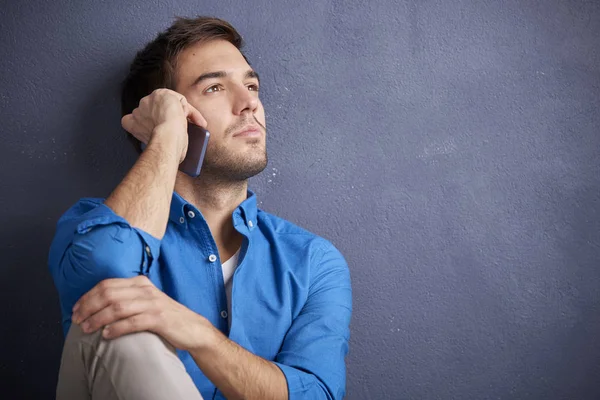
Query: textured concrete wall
x=449, y=149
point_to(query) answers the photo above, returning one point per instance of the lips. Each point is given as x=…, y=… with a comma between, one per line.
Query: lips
x=249, y=131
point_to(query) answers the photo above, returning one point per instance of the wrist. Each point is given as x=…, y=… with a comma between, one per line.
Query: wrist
x=209, y=338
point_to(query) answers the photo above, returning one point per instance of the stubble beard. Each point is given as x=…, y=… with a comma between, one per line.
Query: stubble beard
x=222, y=165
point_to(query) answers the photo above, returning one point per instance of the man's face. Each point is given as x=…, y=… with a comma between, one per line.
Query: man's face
x=216, y=79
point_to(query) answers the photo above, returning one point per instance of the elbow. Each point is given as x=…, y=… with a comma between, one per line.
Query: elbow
x=110, y=251
x=329, y=393
x=319, y=390
x=304, y=384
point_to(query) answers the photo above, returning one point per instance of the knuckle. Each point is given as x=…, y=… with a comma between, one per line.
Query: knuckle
x=156, y=307
x=133, y=322
x=118, y=308
x=91, y=325
x=160, y=316
x=105, y=285
x=106, y=294
x=148, y=291
x=137, y=322
x=142, y=278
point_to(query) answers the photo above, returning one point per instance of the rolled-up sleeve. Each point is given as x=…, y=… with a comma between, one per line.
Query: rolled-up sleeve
x=312, y=356
x=91, y=244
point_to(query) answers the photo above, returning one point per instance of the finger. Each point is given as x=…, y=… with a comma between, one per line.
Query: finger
x=142, y=123
x=140, y=280
x=105, y=285
x=132, y=125
x=103, y=298
x=98, y=300
x=109, y=284
x=138, y=126
x=192, y=114
x=185, y=105
x=195, y=117
x=135, y=323
x=117, y=311
x=128, y=123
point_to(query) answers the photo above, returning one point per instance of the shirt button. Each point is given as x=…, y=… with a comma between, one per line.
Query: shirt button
x=191, y=214
x=182, y=220
x=223, y=314
x=212, y=258
x=250, y=224
x=148, y=250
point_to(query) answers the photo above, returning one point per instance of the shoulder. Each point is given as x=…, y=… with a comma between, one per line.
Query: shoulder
x=296, y=237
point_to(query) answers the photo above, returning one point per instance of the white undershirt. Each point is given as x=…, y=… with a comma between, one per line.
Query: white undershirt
x=229, y=267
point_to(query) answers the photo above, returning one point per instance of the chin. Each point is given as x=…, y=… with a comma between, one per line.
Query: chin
x=244, y=173
x=235, y=169
x=256, y=167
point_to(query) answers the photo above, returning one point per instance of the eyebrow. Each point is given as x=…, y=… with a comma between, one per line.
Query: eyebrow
x=223, y=74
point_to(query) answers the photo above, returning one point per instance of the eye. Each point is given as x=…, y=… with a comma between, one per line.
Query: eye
x=253, y=87
x=214, y=88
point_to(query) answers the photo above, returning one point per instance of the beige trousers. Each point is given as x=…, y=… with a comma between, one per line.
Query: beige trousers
x=140, y=366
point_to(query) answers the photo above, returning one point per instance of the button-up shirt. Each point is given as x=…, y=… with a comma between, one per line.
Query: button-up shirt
x=291, y=297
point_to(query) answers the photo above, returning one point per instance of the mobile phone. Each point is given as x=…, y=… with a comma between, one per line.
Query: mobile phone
x=197, y=144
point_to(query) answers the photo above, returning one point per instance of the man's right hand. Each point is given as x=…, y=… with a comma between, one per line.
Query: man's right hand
x=167, y=110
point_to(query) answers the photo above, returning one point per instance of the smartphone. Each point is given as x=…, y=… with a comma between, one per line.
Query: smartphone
x=197, y=144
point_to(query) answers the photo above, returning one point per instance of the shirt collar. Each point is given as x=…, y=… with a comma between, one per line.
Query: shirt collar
x=247, y=210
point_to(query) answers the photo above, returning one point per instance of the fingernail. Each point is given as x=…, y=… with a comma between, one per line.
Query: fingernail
x=106, y=332
x=75, y=318
x=85, y=326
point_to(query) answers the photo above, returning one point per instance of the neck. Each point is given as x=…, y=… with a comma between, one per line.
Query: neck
x=216, y=200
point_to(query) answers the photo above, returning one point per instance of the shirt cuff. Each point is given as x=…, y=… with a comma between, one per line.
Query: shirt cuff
x=104, y=215
x=297, y=382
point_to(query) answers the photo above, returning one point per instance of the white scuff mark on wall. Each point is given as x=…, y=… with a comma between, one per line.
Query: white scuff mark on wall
x=438, y=149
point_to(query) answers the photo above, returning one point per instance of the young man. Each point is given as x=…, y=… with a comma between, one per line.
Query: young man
x=181, y=288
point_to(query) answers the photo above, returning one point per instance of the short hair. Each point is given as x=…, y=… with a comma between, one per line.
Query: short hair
x=154, y=66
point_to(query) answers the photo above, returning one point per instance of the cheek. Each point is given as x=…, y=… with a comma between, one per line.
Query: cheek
x=217, y=121
x=209, y=110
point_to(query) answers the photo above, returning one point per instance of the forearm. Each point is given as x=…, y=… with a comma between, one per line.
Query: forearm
x=238, y=373
x=143, y=197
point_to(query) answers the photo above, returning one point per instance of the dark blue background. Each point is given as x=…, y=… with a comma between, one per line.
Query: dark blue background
x=450, y=149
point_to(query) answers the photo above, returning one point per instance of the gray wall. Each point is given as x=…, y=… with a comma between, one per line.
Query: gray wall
x=450, y=149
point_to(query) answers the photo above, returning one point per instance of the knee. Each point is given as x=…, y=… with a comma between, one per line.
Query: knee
x=132, y=347
x=135, y=346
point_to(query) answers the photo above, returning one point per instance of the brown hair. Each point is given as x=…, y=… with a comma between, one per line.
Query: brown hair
x=154, y=66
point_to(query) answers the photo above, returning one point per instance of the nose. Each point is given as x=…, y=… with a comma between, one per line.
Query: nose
x=244, y=100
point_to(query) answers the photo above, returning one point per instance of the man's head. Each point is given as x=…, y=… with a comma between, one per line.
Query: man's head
x=201, y=59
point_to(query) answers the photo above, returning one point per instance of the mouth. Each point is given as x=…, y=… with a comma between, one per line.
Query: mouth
x=251, y=131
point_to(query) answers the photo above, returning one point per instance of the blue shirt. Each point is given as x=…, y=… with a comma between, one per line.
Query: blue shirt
x=291, y=296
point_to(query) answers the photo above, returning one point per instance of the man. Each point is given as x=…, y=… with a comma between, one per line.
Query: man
x=180, y=287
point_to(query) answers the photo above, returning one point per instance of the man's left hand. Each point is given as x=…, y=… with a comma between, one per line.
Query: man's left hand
x=125, y=306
